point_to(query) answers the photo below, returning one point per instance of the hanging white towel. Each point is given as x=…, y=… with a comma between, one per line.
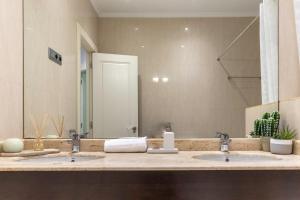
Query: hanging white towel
x=126, y=145
x=269, y=50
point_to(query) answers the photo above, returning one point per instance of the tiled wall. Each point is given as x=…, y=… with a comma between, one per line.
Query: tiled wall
x=51, y=88
x=289, y=68
x=198, y=99
x=11, y=69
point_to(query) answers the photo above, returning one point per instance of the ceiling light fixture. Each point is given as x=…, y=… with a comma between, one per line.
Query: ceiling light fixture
x=165, y=79
x=155, y=79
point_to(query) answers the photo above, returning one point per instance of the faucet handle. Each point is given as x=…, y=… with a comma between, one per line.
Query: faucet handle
x=73, y=134
x=223, y=136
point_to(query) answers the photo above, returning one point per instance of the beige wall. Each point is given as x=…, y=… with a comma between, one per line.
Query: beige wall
x=289, y=68
x=11, y=65
x=198, y=99
x=290, y=114
x=50, y=88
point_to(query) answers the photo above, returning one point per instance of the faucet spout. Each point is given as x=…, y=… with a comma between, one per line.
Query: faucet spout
x=75, y=141
x=224, y=141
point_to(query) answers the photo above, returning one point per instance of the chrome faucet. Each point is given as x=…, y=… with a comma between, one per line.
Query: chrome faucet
x=224, y=141
x=75, y=141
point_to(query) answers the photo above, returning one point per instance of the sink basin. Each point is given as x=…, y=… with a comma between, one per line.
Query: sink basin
x=61, y=159
x=237, y=157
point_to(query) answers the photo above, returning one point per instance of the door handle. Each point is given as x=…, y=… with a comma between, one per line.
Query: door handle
x=132, y=128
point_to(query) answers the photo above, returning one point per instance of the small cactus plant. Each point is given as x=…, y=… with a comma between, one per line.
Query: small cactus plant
x=276, y=117
x=270, y=127
x=257, y=129
x=266, y=115
x=267, y=126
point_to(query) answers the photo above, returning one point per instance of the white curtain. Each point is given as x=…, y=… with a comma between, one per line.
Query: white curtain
x=269, y=50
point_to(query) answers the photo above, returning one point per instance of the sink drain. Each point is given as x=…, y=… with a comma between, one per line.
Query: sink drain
x=227, y=160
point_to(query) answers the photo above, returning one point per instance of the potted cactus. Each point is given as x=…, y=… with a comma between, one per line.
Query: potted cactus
x=265, y=128
x=282, y=142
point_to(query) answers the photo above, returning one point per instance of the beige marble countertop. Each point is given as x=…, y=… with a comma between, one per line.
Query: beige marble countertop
x=151, y=162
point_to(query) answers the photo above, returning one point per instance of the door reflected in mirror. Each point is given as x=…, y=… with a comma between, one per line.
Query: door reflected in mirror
x=85, y=94
x=134, y=69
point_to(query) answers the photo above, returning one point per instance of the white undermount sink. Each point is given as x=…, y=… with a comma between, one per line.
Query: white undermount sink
x=236, y=157
x=60, y=159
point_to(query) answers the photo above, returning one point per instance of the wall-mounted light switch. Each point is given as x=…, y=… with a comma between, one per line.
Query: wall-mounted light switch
x=54, y=56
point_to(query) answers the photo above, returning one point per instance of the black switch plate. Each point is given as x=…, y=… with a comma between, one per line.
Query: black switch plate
x=54, y=56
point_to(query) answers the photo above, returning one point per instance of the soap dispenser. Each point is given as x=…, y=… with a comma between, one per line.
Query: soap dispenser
x=168, y=145
x=169, y=140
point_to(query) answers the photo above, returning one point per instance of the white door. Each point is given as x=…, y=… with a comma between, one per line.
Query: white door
x=115, y=96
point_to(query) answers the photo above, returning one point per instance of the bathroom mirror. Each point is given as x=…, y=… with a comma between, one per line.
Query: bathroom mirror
x=128, y=68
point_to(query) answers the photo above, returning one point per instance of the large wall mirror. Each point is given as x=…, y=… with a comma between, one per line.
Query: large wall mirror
x=123, y=68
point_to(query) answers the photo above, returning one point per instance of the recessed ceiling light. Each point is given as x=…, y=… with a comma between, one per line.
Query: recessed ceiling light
x=136, y=28
x=186, y=28
x=165, y=79
x=182, y=46
x=155, y=79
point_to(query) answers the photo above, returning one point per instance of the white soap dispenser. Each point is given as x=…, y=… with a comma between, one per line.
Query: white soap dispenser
x=168, y=145
x=169, y=140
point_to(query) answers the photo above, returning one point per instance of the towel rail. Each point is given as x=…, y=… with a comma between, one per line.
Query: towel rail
x=230, y=77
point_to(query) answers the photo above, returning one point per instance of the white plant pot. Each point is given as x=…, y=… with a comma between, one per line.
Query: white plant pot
x=282, y=147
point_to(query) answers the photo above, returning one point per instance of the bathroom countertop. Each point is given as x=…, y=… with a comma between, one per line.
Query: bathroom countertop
x=151, y=162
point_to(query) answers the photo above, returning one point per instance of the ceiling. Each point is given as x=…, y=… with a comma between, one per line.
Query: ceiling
x=176, y=8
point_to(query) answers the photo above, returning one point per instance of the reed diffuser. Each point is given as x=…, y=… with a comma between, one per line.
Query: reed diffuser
x=39, y=128
x=59, y=125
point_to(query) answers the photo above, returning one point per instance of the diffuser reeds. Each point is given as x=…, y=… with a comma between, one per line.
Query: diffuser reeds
x=39, y=129
x=59, y=125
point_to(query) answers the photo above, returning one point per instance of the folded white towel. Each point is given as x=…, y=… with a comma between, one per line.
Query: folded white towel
x=126, y=145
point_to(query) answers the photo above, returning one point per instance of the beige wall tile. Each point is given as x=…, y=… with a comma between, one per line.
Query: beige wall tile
x=289, y=68
x=50, y=88
x=11, y=67
x=290, y=114
x=193, y=144
x=198, y=99
x=11, y=116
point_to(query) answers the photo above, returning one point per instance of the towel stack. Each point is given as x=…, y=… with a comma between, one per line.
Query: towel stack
x=126, y=145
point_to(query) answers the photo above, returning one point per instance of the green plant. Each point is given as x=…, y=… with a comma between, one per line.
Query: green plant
x=276, y=116
x=267, y=126
x=285, y=134
x=264, y=127
x=257, y=127
x=266, y=115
